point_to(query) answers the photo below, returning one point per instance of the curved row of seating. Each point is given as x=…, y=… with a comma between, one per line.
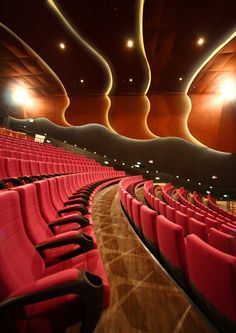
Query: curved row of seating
x=207, y=273
x=52, y=274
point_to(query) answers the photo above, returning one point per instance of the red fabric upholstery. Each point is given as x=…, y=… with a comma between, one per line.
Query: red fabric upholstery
x=213, y=274
x=148, y=223
x=198, y=228
x=222, y=241
x=171, y=242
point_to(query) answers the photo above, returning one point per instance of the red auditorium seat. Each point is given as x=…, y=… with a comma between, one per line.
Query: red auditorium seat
x=170, y=213
x=40, y=233
x=148, y=224
x=182, y=220
x=212, y=274
x=228, y=230
x=198, y=228
x=222, y=241
x=171, y=243
x=136, y=207
x=212, y=223
x=54, y=297
x=162, y=207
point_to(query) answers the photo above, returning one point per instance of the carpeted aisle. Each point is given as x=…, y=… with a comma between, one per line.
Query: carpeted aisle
x=143, y=297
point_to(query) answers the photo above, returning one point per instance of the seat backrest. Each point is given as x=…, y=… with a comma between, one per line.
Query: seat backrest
x=3, y=173
x=148, y=223
x=170, y=213
x=171, y=242
x=222, y=241
x=182, y=220
x=212, y=223
x=46, y=206
x=213, y=274
x=162, y=208
x=35, y=226
x=12, y=167
x=24, y=166
x=228, y=230
x=198, y=228
x=136, y=207
x=20, y=262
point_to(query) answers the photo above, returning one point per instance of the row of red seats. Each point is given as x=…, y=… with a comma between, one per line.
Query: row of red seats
x=207, y=273
x=193, y=222
x=52, y=273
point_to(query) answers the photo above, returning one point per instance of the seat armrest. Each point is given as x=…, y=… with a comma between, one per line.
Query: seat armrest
x=81, y=220
x=73, y=208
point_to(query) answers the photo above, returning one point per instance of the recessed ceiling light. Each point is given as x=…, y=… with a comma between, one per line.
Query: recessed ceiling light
x=208, y=192
x=132, y=166
x=106, y=162
x=214, y=177
x=31, y=120
x=150, y=161
x=157, y=171
x=200, y=41
x=147, y=171
x=84, y=148
x=123, y=163
x=199, y=183
x=177, y=176
x=210, y=186
x=105, y=155
x=65, y=141
x=45, y=133
x=180, y=79
x=188, y=180
x=81, y=80
x=115, y=159
x=130, y=43
x=75, y=145
x=95, y=152
x=130, y=79
x=62, y=46
x=157, y=178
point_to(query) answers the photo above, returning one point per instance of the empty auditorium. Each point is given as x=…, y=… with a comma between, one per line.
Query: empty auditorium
x=117, y=166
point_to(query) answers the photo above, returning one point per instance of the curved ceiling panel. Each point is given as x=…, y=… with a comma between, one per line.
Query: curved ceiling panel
x=212, y=119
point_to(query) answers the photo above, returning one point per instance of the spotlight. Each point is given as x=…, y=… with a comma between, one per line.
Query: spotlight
x=130, y=43
x=20, y=96
x=228, y=90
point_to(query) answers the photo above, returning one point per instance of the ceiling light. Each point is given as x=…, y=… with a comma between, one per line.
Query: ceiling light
x=200, y=41
x=115, y=160
x=136, y=165
x=130, y=80
x=210, y=186
x=130, y=43
x=65, y=141
x=147, y=171
x=105, y=155
x=31, y=120
x=139, y=163
x=20, y=96
x=106, y=162
x=81, y=81
x=84, y=148
x=208, y=192
x=180, y=79
x=214, y=177
x=150, y=161
x=95, y=152
x=188, y=180
x=225, y=195
x=199, y=183
x=157, y=171
x=228, y=90
x=62, y=46
x=132, y=166
x=157, y=178
x=123, y=163
x=177, y=176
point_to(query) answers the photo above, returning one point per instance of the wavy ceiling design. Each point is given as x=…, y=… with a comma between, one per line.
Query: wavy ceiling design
x=96, y=63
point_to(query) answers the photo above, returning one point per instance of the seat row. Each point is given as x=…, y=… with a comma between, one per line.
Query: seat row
x=194, y=263
x=52, y=274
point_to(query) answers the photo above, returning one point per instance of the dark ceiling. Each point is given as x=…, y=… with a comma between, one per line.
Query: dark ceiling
x=170, y=31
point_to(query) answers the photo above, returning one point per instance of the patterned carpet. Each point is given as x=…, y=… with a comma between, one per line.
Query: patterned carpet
x=143, y=297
